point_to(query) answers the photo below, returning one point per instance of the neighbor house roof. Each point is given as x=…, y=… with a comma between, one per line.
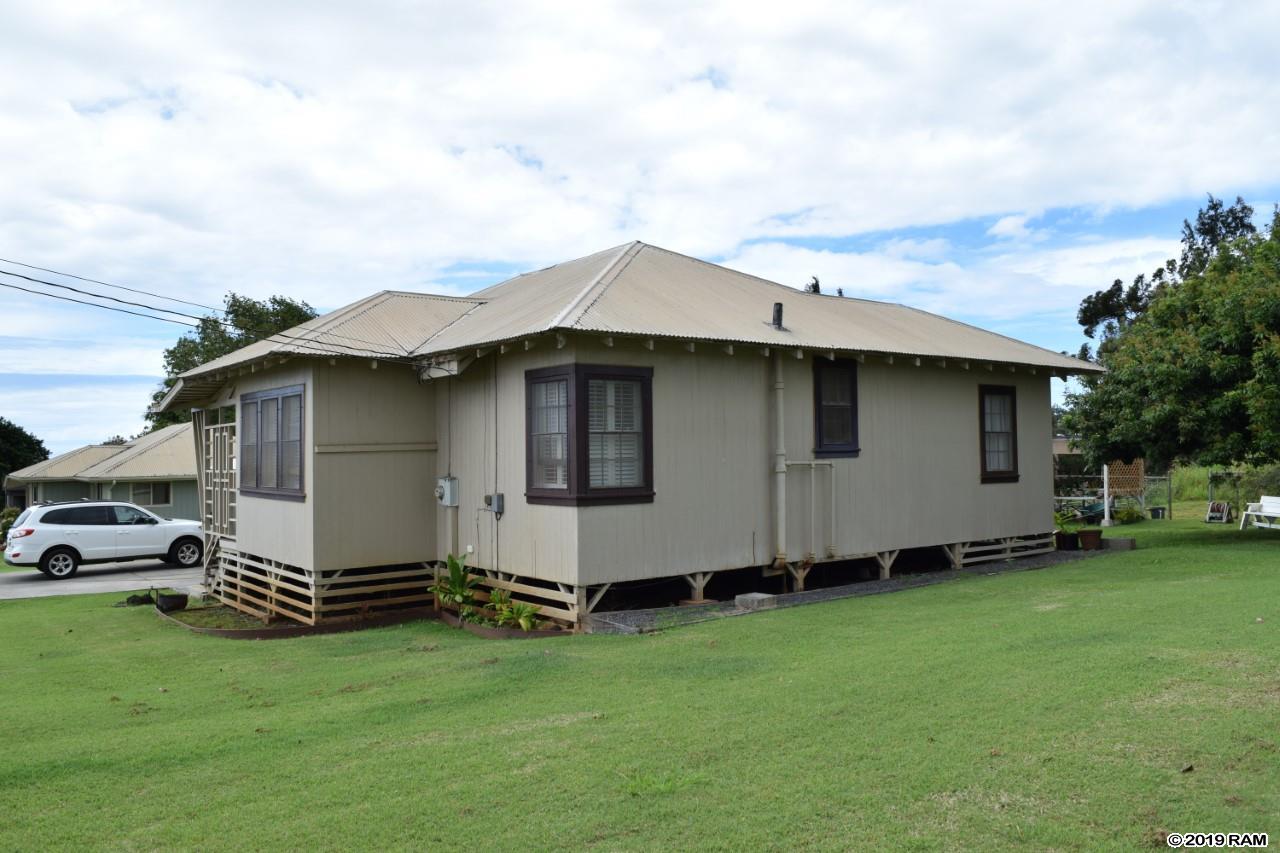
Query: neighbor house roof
x=639, y=290
x=166, y=454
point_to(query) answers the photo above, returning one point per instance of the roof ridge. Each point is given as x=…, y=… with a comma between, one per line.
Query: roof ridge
x=627, y=251
x=138, y=449
x=480, y=303
x=796, y=290
x=619, y=248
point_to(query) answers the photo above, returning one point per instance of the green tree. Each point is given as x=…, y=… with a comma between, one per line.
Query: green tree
x=18, y=448
x=1112, y=310
x=244, y=321
x=1195, y=375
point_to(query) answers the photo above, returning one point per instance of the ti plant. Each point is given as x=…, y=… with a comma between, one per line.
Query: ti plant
x=523, y=614
x=455, y=590
x=1067, y=521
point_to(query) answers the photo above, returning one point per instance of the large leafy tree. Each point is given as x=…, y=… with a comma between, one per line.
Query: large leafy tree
x=244, y=321
x=18, y=448
x=1193, y=363
x=1109, y=312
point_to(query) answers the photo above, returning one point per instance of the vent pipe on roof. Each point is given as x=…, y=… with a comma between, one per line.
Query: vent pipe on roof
x=777, y=315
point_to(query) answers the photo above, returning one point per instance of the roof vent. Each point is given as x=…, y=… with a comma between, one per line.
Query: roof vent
x=777, y=315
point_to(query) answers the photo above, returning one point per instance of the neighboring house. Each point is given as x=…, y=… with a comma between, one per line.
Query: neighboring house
x=156, y=471
x=632, y=415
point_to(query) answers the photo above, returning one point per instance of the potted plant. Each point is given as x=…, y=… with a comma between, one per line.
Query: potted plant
x=1066, y=536
x=1090, y=538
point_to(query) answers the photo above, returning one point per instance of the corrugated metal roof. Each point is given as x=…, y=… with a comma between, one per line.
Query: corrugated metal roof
x=388, y=324
x=635, y=289
x=65, y=466
x=166, y=454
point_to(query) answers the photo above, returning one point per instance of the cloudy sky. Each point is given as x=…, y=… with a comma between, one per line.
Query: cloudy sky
x=994, y=162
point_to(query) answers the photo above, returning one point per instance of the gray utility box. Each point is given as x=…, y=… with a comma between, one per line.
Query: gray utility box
x=447, y=491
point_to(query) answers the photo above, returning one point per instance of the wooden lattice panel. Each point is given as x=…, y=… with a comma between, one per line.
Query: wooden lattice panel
x=1127, y=480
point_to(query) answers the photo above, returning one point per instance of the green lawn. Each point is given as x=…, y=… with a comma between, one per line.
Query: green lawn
x=1051, y=709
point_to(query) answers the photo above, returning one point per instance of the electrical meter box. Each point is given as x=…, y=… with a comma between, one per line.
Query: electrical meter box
x=447, y=491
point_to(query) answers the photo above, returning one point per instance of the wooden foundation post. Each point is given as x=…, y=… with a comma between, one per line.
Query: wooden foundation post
x=799, y=571
x=697, y=587
x=885, y=559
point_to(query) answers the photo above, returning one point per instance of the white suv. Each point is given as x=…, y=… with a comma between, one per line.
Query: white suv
x=58, y=537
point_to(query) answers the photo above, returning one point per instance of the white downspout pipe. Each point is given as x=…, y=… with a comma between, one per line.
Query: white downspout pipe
x=779, y=464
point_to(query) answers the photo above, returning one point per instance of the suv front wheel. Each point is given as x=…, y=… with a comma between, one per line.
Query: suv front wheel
x=186, y=553
x=60, y=563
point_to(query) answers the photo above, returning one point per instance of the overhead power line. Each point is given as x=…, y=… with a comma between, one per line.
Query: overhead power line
x=299, y=341
x=157, y=296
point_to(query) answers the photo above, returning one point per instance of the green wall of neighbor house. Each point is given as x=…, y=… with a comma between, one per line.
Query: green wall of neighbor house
x=182, y=499
x=62, y=490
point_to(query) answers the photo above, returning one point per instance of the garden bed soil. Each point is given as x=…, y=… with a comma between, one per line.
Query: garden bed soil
x=491, y=633
x=222, y=621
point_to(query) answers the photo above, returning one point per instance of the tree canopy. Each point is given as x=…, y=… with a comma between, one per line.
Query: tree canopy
x=245, y=320
x=18, y=448
x=1192, y=356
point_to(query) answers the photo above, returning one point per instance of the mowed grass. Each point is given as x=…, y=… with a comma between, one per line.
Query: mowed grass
x=1058, y=708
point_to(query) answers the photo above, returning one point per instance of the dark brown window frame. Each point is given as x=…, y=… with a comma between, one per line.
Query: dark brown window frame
x=989, y=476
x=579, y=491
x=278, y=493
x=821, y=447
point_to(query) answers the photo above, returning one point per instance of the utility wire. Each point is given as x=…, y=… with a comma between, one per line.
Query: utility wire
x=109, y=284
x=157, y=296
x=300, y=343
x=228, y=324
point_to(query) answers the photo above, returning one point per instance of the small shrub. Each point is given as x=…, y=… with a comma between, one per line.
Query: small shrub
x=8, y=516
x=1128, y=515
x=524, y=615
x=456, y=590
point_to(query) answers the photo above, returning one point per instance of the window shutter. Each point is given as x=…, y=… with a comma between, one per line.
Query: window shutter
x=249, y=445
x=269, y=455
x=291, y=442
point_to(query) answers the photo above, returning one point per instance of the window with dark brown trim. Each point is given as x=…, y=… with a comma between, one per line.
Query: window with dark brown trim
x=271, y=443
x=998, y=429
x=835, y=407
x=589, y=434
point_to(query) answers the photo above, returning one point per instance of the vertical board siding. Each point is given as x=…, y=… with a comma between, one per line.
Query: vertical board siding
x=372, y=470
x=273, y=528
x=481, y=414
x=712, y=446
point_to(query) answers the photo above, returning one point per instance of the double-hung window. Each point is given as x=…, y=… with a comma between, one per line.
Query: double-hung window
x=150, y=494
x=271, y=442
x=835, y=407
x=589, y=434
x=998, y=423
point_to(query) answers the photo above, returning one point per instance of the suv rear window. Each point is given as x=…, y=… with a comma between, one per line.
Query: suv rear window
x=21, y=518
x=78, y=515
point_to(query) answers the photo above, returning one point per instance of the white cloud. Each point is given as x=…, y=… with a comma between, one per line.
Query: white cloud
x=1025, y=282
x=327, y=150
x=66, y=415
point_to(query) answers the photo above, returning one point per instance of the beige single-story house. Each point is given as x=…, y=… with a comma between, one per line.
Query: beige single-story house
x=156, y=471
x=627, y=416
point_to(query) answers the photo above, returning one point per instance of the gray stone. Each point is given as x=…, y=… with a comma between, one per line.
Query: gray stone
x=1121, y=543
x=755, y=601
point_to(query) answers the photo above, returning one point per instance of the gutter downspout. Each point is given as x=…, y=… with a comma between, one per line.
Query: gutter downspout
x=779, y=465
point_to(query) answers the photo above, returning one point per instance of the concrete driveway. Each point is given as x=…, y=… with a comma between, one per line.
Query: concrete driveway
x=103, y=577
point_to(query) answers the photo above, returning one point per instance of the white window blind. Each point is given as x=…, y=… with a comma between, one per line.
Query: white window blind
x=269, y=445
x=615, y=433
x=291, y=442
x=551, y=434
x=997, y=418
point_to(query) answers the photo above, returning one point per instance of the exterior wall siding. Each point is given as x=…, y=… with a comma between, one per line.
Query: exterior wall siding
x=374, y=466
x=274, y=528
x=915, y=483
x=482, y=442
